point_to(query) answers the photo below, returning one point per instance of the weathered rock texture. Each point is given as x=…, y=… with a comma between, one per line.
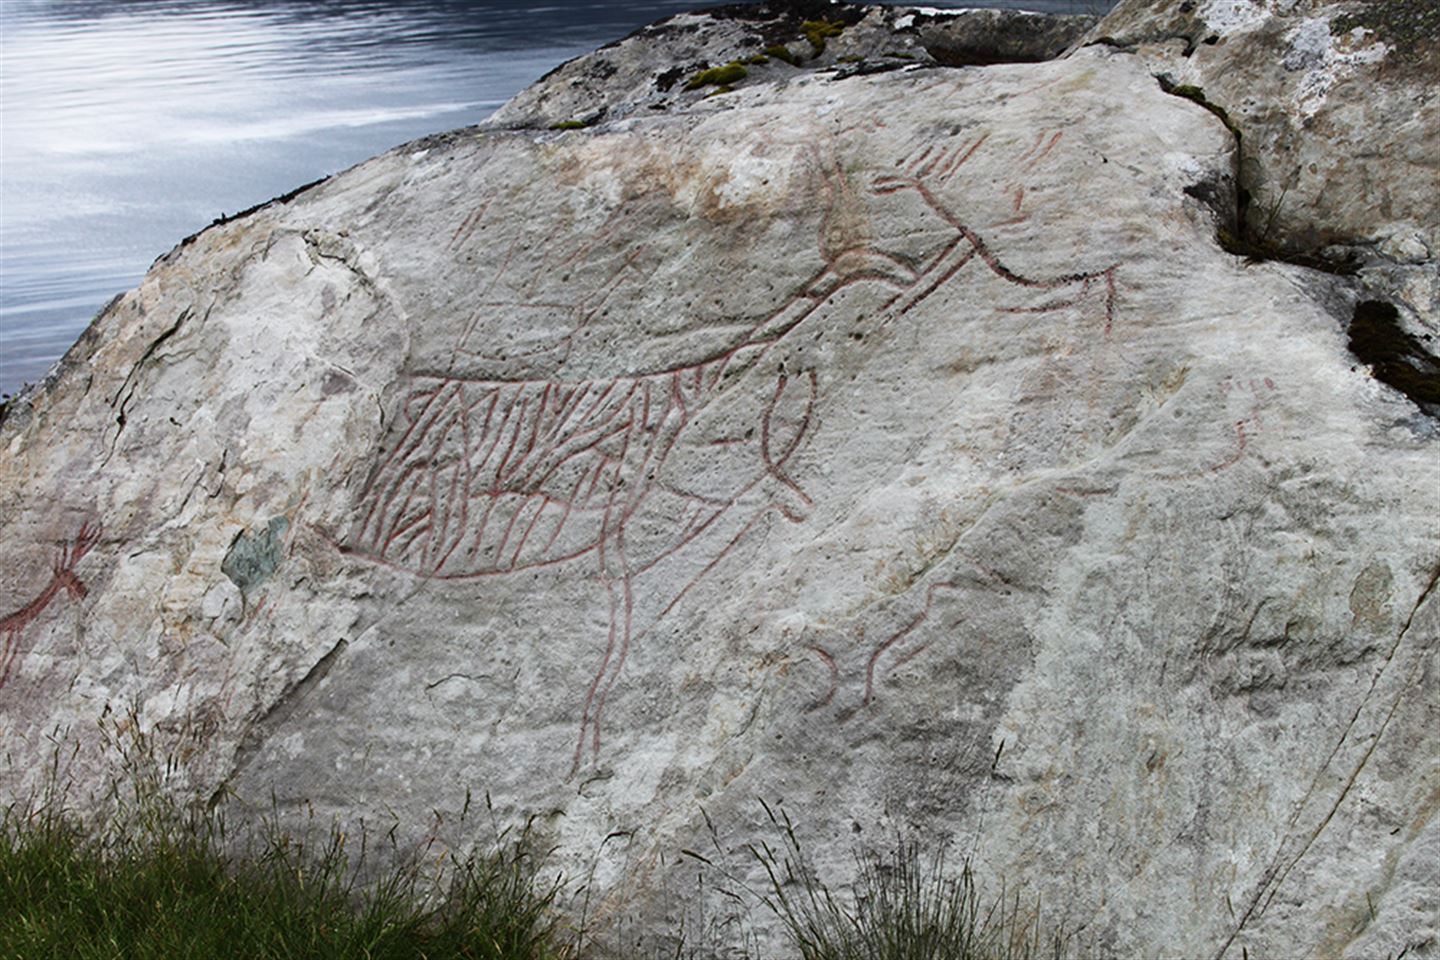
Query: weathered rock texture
x=897, y=447
x=1334, y=107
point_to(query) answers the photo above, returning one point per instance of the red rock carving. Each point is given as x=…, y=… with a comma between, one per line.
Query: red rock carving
x=62, y=578
x=487, y=476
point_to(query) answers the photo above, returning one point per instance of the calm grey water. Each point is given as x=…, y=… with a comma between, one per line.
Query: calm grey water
x=128, y=124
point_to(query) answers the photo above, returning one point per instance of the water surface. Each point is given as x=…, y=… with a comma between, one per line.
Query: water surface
x=128, y=124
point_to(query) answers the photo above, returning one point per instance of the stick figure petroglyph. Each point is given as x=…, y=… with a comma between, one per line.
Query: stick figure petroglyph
x=62, y=579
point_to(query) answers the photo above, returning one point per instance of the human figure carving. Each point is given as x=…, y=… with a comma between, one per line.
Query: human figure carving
x=62, y=579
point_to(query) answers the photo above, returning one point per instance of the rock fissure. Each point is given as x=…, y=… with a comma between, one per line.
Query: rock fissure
x=1275, y=875
x=131, y=382
x=1398, y=358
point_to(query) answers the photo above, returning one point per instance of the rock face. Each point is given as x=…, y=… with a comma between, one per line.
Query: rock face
x=1334, y=108
x=891, y=442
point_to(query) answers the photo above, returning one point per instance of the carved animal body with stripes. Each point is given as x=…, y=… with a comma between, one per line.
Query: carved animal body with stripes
x=486, y=476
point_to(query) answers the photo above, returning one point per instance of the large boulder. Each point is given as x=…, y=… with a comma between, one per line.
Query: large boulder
x=898, y=447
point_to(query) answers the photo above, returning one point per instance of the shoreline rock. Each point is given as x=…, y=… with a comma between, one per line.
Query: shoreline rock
x=892, y=442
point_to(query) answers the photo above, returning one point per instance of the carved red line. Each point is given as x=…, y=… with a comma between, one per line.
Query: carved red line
x=944, y=278
x=624, y=649
x=654, y=451
x=1048, y=147
x=599, y=674
x=468, y=225
x=724, y=552
x=834, y=677
x=400, y=444
x=516, y=468
x=524, y=537
x=525, y=504
x=521, y=404
x=946, y=174
x=504, y=500
x=421, y=518
x=1051, y=306
x=1110, y=297
x=1039, y=139
x=483, y=471
x=578, y=446
x=474, y=550
x=494, y=279
x=930, y=167
x=564, y=516
x=1019, y=198
x=921, y=159
x=898, y=636
x=441, y=507
x=595, y=479
x=528, y=450
x=1085, y=491
x=1239, y=449
x=390, y=519
x=906, y=657
x=772, y=465
x=612, y=285
x=628, y=431
x=464, y=475
x=437, y=517
x=600, y=235
x=572, y=402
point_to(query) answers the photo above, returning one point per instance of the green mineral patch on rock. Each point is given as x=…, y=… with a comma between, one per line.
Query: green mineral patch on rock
x=255, y=555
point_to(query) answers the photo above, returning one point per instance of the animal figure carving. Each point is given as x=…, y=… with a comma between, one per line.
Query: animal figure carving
x=486, y=476
x=62, y=579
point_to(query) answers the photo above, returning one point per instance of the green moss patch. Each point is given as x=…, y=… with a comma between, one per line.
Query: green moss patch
x=569, y=125
x=1194, y=94
x=731, y=73
x=781, y=52
x=818, y=31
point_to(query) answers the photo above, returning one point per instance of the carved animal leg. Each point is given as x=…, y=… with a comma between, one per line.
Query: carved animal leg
x=783, y=424
x=617, y=646
x=589, y=713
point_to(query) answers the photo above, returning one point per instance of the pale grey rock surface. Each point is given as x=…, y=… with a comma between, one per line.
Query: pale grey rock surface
x=900, y=449
x=1337, y=108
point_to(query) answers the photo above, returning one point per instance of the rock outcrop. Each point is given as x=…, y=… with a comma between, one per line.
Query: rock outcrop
x=893, y=442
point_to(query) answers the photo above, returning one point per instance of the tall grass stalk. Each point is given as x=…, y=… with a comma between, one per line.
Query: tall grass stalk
x=905, y=906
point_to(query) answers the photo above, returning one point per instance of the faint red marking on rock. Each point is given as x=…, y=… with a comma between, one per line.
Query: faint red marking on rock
x=489, y=476
x=62, y=579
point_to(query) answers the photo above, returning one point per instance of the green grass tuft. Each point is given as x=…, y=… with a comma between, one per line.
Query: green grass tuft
x=158, y=881
x=904, y=907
